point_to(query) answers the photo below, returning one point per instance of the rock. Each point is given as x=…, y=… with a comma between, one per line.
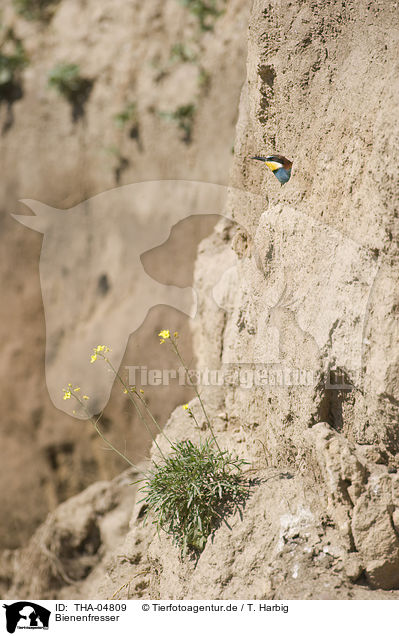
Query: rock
x=70, y=548
x=375, y=536
x=343, y=474
x=353, y=567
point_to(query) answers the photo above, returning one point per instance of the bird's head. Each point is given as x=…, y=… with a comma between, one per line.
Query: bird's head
x=279, y=165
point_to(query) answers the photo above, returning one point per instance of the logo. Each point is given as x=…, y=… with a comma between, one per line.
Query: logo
x=105, y=285
x=26, y=615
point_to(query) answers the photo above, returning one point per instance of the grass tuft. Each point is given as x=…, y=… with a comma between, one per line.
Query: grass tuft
x=192, y=491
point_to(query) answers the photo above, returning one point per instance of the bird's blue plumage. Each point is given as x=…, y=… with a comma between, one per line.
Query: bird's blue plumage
x=282, y=175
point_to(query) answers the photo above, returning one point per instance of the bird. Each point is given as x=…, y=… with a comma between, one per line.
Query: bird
x=279, y=165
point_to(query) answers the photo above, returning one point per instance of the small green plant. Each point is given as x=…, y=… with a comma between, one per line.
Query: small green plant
x=35, y=9
x=180, y=52
x=13, y=60
x=204, y=79
x=206, y=11
x=127, y=116
x=192, y=489
x=66, y=79
x=183, y=117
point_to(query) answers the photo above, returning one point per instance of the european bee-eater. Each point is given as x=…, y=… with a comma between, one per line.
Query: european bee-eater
x=279, y=165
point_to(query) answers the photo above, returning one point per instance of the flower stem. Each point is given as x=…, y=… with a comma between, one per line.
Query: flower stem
x=176, y=350
x=141, y=416
x=95, y=424
x=96, y=427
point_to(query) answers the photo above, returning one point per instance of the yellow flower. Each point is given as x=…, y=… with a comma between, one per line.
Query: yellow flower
x=86, y=397
x=77, y=388
x=141, y=391
x=185, y=407
x=101, y=349
x=176, y=334
x=125, y=390
x=165, y=333
x=67, y=394
x=161, y=341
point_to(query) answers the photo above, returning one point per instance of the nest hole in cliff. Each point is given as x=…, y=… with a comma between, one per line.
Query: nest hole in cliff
x=338, y=392
x=267, y=74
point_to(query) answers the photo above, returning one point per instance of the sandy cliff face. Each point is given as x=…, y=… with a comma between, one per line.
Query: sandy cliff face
x=308, y=286
x=301, y=298
x=315, y=284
